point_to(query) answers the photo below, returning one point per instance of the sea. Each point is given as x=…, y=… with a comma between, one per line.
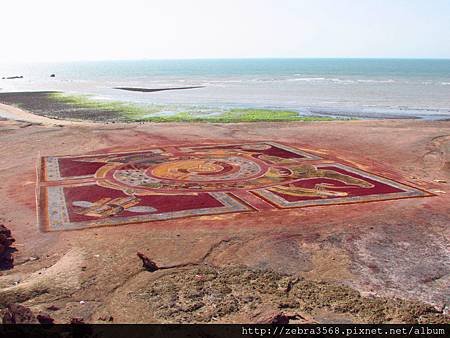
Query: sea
x=358, y=88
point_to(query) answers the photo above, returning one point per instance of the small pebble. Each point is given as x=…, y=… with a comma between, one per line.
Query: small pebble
x=440, y=181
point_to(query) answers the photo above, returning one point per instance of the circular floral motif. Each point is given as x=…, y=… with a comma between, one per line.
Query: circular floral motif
x=188, y=174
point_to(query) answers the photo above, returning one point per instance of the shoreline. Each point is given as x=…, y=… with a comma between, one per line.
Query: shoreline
x=62, y=106
x=13, y=113
x=54, y=107
x=9, y=112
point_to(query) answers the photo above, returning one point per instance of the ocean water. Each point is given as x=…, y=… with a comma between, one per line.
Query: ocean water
x=371, y=88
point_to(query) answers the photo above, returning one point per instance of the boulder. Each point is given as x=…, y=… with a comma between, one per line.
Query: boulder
x=6, y=240
x=18, y=314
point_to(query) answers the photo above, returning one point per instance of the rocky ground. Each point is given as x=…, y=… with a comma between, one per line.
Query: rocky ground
x=372, y=262
x=42, y=104
x=6, y=249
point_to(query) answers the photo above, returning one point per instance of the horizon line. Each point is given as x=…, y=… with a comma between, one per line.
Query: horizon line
x=228, y=58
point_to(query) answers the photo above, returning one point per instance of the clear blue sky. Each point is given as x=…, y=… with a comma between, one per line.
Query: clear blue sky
x=55, y=30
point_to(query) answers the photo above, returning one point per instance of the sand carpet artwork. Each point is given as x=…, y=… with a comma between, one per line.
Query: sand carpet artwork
x=169, y=182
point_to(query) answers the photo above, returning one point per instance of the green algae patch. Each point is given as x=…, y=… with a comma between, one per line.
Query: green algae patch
x=68, y=106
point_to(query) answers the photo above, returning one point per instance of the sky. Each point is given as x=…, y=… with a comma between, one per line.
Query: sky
x=69, y=30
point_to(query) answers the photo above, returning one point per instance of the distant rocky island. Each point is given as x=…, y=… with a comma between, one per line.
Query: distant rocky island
x=12, y=77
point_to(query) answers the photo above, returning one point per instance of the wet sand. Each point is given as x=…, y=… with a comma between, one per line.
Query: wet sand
x=39, y=103
x=9, y=112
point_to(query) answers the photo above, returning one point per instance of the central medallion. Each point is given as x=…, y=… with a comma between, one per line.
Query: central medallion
x=187, y=174
x=207, y=169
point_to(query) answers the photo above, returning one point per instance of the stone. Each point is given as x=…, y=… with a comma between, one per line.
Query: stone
x=45, y=319
x=18, y=314
x=6, y=240
x=147, y=263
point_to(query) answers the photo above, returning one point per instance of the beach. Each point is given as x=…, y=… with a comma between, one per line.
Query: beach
x=233, y=168
x=337, y=88
x=340, y=263
x=157, y=200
